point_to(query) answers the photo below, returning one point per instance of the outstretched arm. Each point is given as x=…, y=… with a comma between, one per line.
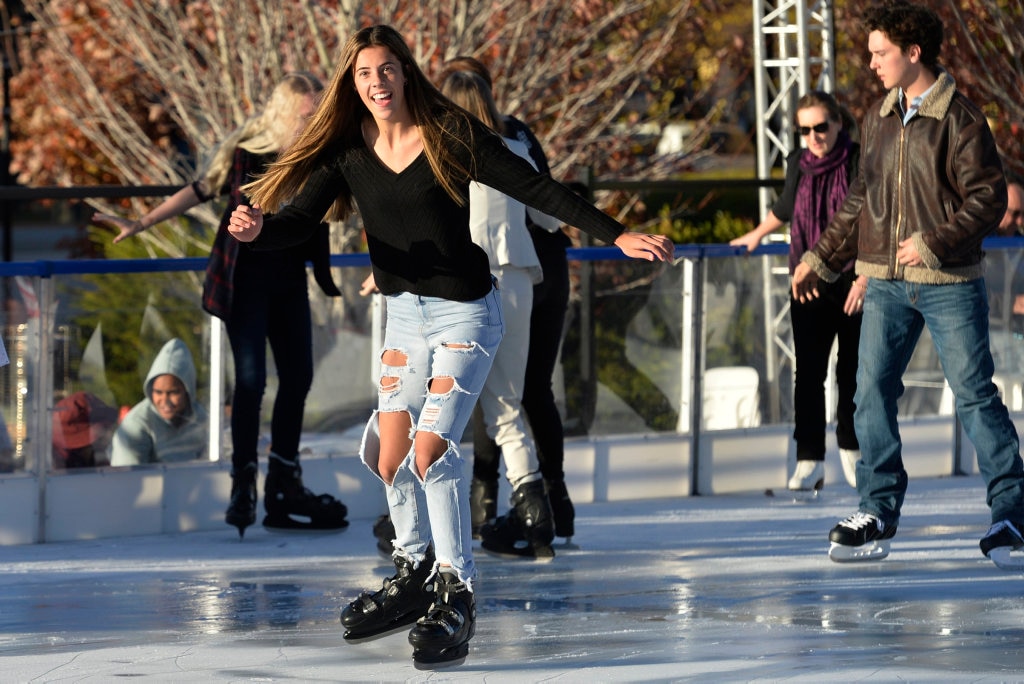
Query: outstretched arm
x=753, y=238
x=175, y=205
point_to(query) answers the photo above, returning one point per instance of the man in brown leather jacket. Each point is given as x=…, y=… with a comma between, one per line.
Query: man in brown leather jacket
x=930, y=188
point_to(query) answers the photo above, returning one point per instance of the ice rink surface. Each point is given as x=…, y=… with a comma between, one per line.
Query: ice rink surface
x=719, y=589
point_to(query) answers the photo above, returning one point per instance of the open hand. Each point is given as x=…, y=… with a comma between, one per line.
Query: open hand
x=124, y=227
x=645, y=246
x=805, y=283
x=855, y=297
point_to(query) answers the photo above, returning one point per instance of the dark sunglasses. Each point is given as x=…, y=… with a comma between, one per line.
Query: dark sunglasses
x=820, y=128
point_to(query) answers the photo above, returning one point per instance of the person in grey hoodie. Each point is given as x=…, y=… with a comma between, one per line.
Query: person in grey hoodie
x=168, y=425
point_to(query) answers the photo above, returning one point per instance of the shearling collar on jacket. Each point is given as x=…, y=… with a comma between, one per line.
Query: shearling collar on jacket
x=935, y=104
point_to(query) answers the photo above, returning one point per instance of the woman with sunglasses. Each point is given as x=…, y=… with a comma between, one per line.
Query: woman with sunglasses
x=817, y=179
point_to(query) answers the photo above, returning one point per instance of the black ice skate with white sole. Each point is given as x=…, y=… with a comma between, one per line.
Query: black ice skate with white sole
x=999, y=543
x=291, y=506
x=404, y=598
x=861, y=537
x=441, y=637
x=527, y=530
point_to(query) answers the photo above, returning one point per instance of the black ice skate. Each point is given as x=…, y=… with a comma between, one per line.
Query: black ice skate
x=562, y=510
x=291, y=506
x=483, y=504
x=861, y=537
x=1001, y=539
x=527, y=530
x=384, y=531
x=441, y=637
x=402, y=600
x=241, y=510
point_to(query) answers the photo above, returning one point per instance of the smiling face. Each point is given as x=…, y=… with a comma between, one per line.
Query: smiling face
x=168, y=396
x=380, y=81
x=811, y=118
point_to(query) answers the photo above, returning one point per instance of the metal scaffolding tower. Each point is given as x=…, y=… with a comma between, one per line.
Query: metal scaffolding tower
x=793, y=53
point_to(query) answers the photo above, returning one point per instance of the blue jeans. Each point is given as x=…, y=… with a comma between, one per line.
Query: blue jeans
x=895, y=313
x=436, y=507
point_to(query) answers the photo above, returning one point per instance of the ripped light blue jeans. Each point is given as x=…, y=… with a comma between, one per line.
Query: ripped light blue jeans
x=439, y=338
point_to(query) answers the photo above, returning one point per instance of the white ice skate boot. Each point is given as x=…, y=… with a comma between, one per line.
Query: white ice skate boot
x=849, y=458
x=808, y=476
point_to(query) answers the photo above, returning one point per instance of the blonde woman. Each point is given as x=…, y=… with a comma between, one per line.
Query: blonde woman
x=261, y=297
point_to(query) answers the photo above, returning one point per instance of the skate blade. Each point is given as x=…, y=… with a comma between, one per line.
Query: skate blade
x=1005, y=560
x=876, y=550
x=290, y=524
x=804, y=495
x=391, y=630
x=566, y=545
x=435, y=660
x=241, y=525
x=542, y=555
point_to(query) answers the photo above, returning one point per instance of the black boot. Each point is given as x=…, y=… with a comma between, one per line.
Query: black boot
x=402, y=600
x=442, y=636
x=525, y=531
x=483, y=504
x=291, y=506
x=384, y=531
x=562, y=509
x=242, y=509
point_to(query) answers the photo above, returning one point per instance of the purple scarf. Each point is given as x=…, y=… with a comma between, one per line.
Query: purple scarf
x=819, y=194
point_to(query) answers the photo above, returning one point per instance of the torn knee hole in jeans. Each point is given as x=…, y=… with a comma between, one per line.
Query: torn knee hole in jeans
x=392, y=358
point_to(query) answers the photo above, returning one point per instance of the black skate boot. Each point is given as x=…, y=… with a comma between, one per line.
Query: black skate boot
x=861, y=537
x=562, y=509
x=242, y=509
x=291, y=506
x=1000, y=543
x=483, y=504
x=384, y=531
x=441, y=637
x=402, y=600
x=527, y=530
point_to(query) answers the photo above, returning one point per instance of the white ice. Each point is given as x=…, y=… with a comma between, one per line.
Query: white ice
x=722, y=588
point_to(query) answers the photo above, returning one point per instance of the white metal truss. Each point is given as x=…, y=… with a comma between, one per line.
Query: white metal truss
x=794, y=52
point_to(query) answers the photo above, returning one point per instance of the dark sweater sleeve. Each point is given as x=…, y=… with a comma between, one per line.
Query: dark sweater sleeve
x=297, y=221
x=502, y=169
x=783, y=207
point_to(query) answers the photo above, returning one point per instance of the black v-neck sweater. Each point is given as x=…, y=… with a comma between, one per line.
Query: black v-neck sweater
x=418, y=236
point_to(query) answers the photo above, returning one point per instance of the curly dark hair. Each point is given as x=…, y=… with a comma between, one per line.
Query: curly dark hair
x=906, y=24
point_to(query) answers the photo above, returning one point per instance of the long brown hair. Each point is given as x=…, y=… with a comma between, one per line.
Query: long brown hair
x=471, y=92
x=335, y=127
